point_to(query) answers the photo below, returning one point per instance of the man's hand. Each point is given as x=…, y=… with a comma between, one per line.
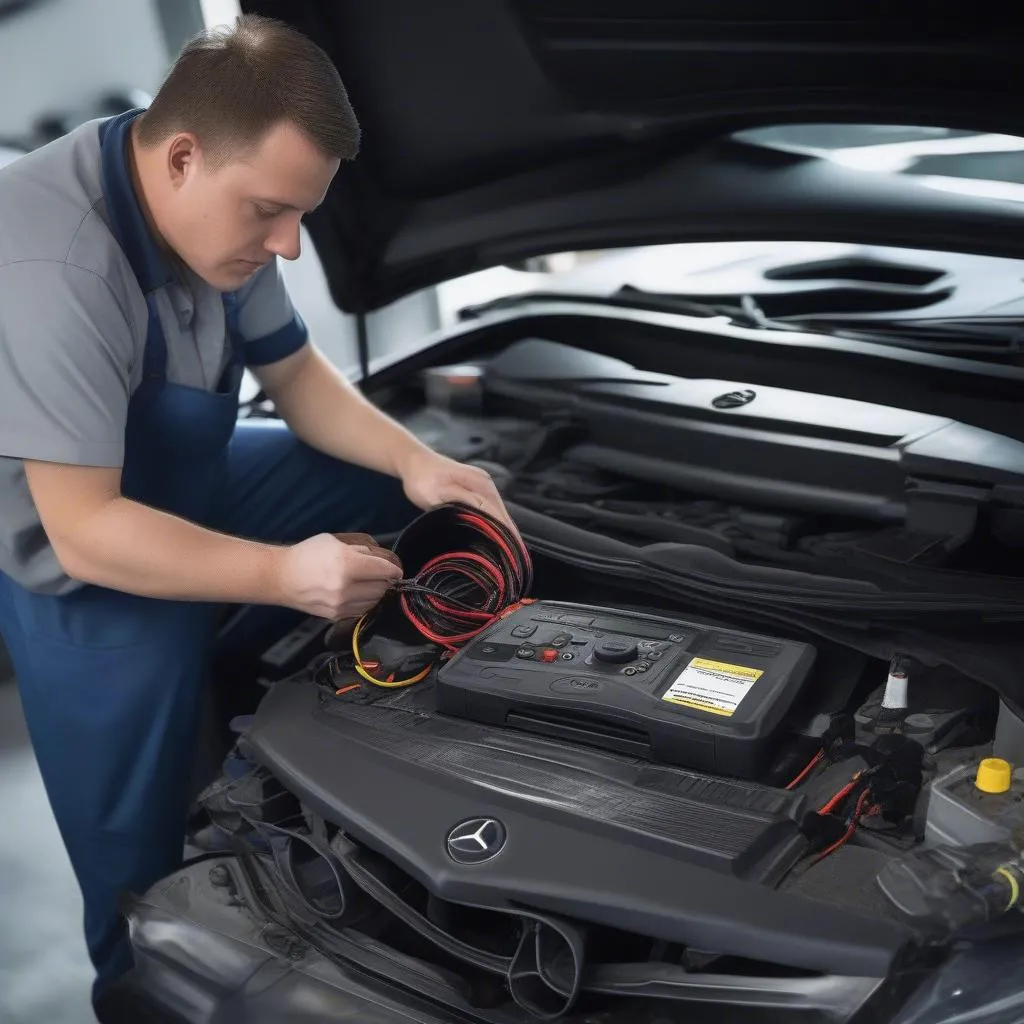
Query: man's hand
x=325, y=577
x=430, y=479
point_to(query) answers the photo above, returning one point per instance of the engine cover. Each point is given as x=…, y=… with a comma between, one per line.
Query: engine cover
x=678, y=692
x=498, y=819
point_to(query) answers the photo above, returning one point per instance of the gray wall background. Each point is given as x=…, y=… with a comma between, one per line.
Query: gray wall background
x=60, y=54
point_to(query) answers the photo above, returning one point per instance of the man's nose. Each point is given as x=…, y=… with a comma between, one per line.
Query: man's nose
x=285, y=240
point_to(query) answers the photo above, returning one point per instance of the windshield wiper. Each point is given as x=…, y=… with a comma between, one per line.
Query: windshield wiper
x=625, y=298
x=967, y=335
x=970, y=336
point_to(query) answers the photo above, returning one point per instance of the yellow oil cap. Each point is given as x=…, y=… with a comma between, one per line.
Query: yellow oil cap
x=994, y=775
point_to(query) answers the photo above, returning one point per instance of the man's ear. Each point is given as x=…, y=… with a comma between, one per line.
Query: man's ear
x=182, y=157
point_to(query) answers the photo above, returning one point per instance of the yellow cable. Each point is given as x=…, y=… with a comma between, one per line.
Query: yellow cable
x=388, y=684
x=1014, y=884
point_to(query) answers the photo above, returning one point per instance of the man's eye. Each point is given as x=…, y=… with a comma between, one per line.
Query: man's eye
x=262, y=211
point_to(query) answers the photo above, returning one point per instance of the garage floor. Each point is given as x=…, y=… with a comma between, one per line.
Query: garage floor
x=45, y=974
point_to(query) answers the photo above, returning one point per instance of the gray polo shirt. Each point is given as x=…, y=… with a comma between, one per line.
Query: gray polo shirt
x=73, y=324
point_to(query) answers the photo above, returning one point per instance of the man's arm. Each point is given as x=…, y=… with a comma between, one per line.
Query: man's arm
x=329, y=414
x=103, y=538
x=322, y=408
x=310, y=395
x=64, y=392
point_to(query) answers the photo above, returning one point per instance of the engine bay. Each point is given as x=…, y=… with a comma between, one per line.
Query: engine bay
x=740, y=741
x=567, y=836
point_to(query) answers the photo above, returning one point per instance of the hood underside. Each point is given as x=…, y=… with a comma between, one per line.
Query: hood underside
x=498, y=130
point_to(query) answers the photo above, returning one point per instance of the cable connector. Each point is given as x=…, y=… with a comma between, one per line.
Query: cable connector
x=893, y=709
x=895, y=696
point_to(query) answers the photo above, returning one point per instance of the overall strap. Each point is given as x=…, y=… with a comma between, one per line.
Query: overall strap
x=231, y=317
x=154, y=359
x=234, y=363
x=148, y=266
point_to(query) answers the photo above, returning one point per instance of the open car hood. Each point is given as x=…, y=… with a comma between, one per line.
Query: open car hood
x=499, y=129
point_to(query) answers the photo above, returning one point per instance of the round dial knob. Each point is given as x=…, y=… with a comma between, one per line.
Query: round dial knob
x=615, y=650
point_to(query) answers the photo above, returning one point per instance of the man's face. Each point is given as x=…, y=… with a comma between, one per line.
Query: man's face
x=227, y=221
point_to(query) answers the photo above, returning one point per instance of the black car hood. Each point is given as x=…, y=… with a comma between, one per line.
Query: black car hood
x=499, y=129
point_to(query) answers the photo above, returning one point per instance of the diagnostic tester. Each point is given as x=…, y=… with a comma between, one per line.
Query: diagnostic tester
x=678, y=692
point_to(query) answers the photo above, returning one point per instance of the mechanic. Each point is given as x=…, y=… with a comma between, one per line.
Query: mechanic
x=139, y=276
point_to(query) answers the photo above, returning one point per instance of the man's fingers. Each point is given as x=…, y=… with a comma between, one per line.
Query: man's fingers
x=368, y=565
x=492, y=502
x=366, y=542
x=475, y=499
x=359, y=540
x=492, y=505
x=387, y=554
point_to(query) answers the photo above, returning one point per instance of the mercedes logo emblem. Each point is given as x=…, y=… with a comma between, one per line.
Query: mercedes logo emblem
x=475, y=840
x=734, y=399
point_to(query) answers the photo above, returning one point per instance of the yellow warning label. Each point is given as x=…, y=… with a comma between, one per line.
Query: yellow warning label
x=733, y=670
x=712, y=686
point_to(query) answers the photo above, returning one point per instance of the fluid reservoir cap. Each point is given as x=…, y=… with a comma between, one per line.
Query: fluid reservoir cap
x=994, y=775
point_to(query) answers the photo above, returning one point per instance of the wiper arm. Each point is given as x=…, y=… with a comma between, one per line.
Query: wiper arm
x=968, y=335
x=625, y=298
x=954, y=336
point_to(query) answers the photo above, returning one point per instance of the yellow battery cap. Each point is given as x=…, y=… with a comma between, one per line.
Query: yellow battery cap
x=994, y=775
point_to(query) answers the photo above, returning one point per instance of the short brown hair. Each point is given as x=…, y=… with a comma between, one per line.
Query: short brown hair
x=233, y=84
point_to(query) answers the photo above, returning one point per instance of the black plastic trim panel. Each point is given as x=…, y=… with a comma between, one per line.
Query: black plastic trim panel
x=552, y=860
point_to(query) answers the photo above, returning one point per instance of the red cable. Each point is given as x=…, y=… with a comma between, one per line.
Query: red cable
x=451, y=642
x=841, y=795
x=484, y=527
x=803, y=775
x=436, y=602
x=485, y=563
x=850, y=829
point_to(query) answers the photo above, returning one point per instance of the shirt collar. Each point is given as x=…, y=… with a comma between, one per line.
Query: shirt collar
x=149, y=264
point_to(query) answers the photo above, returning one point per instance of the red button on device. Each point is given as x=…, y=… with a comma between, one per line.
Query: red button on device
x=548, y=655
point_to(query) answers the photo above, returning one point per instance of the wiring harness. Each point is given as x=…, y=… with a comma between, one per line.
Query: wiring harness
x=879, y=797
x=468, y=568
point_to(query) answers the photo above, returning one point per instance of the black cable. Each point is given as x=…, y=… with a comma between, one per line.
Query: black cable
x=464, y=569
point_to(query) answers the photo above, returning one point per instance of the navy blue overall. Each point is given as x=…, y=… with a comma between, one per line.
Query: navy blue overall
x=111, y=682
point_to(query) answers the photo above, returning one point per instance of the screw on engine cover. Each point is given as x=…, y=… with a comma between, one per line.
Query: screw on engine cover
x=284, y=943
x=220, y=876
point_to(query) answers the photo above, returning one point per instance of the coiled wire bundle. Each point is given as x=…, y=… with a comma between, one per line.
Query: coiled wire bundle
x=468, y=569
